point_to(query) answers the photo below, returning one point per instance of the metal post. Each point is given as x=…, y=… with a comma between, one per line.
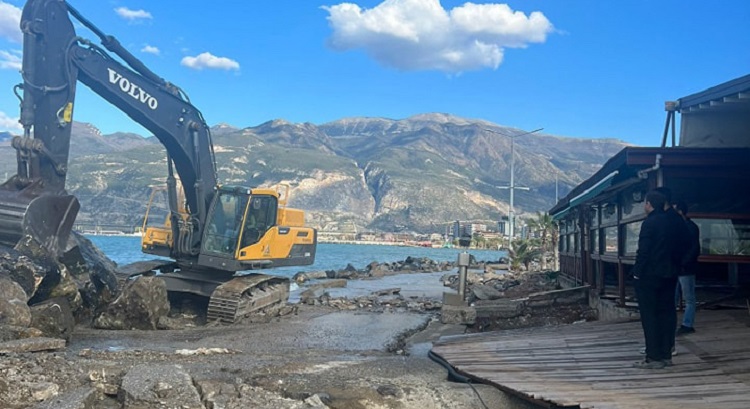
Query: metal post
x=512, y=187
x=512, y=227
x=557, y=190
x=463, y=265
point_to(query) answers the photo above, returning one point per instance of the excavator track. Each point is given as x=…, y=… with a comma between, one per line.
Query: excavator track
x=240, y=296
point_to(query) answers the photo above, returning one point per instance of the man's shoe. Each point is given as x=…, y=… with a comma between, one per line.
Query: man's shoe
x=649, y=364
x=674, y=351
x=683, y=330
x=642, y=351
x=667, y=362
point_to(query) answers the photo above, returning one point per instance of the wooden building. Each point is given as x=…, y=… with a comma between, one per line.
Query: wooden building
x=709, y=169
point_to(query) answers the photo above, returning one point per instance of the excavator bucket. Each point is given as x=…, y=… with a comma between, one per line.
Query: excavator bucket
x=48, y=219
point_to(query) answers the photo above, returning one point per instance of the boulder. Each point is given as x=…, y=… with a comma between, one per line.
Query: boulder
x=93, y=272
x=159, y=386
x=54, y=318
x=64, y=287
x=140, y=305
x=28, y=272
x=301, y=277
x=13, y=308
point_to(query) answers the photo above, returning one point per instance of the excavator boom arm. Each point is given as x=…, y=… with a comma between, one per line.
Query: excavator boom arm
x=54, y=59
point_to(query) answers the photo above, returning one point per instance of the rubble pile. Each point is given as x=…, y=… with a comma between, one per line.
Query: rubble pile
x=318, y=282
x=517, y=300
x=376, y=269
x=43, y=296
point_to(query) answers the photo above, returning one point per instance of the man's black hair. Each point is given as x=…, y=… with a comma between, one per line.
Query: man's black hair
x=657, y=199
x=681, y=207
x=666, y=192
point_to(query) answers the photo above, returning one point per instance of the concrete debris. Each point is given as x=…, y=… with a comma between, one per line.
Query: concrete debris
x=54, y=318
x=203, y=351
x=13, y=308
x=107, y=380
x=159, y=386
x=142, y=302
x=79, y=398
x=31, y=345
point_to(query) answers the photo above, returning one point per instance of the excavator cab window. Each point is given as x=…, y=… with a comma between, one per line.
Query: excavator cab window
x=224, y=222
x=261, y=216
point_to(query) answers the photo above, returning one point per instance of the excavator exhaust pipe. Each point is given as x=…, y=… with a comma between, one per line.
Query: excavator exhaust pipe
x=46, y=218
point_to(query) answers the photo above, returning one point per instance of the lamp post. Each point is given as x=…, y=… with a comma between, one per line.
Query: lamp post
x=512, y=187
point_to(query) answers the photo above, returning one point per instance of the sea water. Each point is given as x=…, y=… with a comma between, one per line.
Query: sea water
x=127, y=249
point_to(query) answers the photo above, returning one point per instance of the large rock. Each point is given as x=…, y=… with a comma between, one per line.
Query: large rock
x=63, y=287
x=140, y=305
x=159, y=386
x=54, y=318
x=13, y=308
x=83, y=274
x=93, y=272
x=28, y=272
x=83, y=397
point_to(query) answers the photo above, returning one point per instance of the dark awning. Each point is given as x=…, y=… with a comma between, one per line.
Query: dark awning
x=594, y=190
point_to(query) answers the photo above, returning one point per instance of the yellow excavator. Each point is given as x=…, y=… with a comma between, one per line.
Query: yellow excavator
x=212, y=230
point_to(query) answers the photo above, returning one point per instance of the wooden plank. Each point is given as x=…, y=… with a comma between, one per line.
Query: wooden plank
x=590, y=365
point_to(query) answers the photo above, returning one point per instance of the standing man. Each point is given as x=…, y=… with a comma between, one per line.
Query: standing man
x=655, y=272
x=686, y=281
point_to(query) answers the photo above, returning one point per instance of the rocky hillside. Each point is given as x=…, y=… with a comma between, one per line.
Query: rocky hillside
x=414, y=174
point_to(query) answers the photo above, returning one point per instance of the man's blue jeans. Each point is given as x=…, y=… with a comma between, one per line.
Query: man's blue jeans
x=686, y=287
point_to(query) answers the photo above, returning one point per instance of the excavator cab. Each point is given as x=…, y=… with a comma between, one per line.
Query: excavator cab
x=224, y=223
x=248, y=229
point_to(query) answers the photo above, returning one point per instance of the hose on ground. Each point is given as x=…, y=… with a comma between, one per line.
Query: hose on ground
x=454, y=376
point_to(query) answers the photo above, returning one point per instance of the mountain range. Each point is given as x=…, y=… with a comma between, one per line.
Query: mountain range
x=415, y=174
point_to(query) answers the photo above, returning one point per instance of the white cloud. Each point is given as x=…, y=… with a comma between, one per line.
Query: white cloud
x=10, y=21
x=150, y=49
x=208, y=60
x=10, y=60
x=132, y=15
x=422, y=35
x=8, y=124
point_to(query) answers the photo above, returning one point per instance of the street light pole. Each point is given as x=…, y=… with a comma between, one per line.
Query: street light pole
x=512, y=187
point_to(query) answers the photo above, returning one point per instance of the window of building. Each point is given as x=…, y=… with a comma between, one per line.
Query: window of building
x=631, y=203
x=594, y=248
x=724, y=236
x=632, y=231
x=609, y=236
x=594, y=216
x=609, y=213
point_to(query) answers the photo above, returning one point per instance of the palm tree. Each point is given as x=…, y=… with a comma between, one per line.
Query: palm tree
x=522, y=251
x=546, y=227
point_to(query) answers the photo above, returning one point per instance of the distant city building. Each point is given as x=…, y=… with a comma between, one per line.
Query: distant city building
x=502, y=225
x=473, y=228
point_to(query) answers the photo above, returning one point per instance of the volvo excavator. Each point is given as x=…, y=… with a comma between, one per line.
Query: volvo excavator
x=212, y=231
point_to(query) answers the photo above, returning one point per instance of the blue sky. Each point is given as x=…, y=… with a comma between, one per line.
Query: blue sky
x=578, y=68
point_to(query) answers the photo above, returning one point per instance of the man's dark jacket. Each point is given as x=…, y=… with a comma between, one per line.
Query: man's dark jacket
x=690, y=258
x=660, y=246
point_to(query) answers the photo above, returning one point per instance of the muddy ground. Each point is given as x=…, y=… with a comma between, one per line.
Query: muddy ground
x=319, y=357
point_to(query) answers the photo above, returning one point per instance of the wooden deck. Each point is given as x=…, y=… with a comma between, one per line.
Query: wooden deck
x=588, y=365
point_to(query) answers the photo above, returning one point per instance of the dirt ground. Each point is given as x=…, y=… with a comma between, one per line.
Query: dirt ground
x=319, y=357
